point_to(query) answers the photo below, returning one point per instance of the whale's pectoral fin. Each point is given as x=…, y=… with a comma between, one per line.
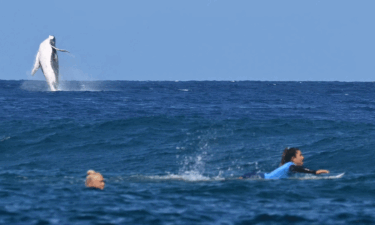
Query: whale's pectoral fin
x=61, y=50
x=36, y=65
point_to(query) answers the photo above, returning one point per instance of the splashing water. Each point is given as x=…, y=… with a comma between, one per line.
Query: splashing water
x=38, y=85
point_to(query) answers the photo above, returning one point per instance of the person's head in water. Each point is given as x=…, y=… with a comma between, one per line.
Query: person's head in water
x=94, y=180
x=292, y=155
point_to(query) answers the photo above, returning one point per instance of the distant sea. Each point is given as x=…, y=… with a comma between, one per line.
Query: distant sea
x=171, y=152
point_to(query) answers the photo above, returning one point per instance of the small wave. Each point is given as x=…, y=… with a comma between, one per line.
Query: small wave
x=191, y=176
x=183, y=89
x=4, y=139
x=273, y=218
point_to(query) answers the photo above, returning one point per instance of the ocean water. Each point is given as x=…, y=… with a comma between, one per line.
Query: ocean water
x=171, y=152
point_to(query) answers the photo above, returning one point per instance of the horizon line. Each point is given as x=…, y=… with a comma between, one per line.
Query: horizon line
x=227, y=80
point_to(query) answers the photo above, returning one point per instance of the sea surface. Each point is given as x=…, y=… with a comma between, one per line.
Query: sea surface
x=171, y=152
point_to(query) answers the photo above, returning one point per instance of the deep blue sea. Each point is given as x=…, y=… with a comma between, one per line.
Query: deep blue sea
x=171, y=152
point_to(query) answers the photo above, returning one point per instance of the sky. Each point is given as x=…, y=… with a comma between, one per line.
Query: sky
x=271, y=40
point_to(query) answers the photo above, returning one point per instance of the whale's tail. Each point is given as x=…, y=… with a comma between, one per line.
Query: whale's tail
x=36, y=64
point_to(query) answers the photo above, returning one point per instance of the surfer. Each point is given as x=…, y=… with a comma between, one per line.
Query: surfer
x=94, y=180
x=291, y=162
x=47, y=59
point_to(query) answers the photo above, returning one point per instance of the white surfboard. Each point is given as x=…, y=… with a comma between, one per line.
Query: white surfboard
x=319, y=177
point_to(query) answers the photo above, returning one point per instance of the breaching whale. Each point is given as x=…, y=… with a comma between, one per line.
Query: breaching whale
x=47, y=59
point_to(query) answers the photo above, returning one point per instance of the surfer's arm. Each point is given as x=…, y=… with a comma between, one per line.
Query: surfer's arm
x=301, y=169
x=36, y=64
x=61, y=50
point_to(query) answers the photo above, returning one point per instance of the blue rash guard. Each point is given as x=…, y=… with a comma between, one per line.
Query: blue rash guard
x=282, y=172
x=279, y=173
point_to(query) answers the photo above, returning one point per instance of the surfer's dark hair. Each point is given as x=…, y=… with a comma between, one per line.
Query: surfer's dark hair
x=288, y=154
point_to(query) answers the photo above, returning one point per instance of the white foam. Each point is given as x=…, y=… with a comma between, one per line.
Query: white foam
x=5, y=138
x=87, y=86
x=192, y=170
x=190, y=176
x=30, y=85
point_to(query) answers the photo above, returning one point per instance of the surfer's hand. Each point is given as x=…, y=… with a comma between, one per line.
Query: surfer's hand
x=322, y=171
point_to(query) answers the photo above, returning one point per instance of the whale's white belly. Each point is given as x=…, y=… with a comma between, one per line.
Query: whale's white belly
x=47, y=56
x=48, y=61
